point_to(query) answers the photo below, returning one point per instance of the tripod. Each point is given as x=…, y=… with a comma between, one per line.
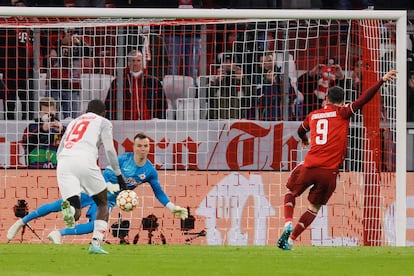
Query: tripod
x=202, y=233
x=20, y=211
x=31, y=229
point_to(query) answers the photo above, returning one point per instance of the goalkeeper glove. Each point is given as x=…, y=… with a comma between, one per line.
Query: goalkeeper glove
x=112, y=188
x=121, y=182
x=177, y=210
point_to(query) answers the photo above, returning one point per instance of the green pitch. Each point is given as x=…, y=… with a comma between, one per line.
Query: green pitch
x=124, y=260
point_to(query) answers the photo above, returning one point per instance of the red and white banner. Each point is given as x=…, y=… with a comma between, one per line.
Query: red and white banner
x=194, y=145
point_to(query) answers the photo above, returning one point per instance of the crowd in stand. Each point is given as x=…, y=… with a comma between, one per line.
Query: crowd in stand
x=244, y=86
x=248, y=82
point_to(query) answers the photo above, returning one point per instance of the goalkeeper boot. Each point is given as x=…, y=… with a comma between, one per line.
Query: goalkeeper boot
x=96, y=249
x=11, y=233
x=68, y=213
x=55, y=237
x=282, y=243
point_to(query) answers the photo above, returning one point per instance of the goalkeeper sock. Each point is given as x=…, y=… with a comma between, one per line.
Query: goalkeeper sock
x=43, y=210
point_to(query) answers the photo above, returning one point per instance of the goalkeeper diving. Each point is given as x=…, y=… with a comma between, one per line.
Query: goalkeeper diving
x=137, y=170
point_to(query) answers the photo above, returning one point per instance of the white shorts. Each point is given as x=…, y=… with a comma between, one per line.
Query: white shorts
x=78, y=174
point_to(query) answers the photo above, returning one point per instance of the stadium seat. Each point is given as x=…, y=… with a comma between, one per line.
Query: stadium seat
x=94, y=86
x=180, y=87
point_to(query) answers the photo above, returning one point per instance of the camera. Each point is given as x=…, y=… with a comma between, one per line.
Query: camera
x=188, y=223
x=121, y=231
x=48, y=117
x=21, y=209
x=150, y=223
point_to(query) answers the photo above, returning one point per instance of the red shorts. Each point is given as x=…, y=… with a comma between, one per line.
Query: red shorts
x=322, y=183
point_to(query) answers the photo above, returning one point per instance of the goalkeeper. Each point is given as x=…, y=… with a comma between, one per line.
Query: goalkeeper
x=137, y=170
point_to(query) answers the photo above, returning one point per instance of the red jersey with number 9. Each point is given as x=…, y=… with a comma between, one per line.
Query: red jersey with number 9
x=328, y=128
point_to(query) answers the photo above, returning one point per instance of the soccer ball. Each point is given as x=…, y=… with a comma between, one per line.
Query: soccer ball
x=127, y=200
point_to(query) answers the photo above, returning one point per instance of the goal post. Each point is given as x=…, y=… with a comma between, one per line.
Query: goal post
x=224, y=148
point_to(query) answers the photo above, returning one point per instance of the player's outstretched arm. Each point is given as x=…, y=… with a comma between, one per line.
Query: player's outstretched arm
x=370, y=92
x=177, y=210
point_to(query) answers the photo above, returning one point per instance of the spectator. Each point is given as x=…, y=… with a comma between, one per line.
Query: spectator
x=315, y=83
x=269, y=85
x=16, y=65
x=230, y=92
x=147, y=40
x=41, y=138
x=328, y=75
x=65, y=70
x=184, y=44
x=143, y=97
x=356, y=76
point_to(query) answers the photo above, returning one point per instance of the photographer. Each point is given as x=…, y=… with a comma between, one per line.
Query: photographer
x=67, y=57
x=230, y=91
x=41, y=138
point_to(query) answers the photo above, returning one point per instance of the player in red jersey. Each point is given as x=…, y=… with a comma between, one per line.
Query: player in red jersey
x=328, y=128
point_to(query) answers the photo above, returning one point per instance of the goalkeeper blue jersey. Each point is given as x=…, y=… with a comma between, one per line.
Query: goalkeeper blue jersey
x=134, y=176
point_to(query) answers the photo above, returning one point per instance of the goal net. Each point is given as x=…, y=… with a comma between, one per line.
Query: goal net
x=221, y=96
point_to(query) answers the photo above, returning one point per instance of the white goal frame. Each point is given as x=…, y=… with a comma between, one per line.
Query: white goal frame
x=401, y=30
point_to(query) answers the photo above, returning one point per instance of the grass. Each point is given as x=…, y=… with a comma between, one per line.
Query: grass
x=124, y=260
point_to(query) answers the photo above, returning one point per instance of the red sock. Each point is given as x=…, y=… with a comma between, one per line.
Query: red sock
x=304, y=221
x=289, y=205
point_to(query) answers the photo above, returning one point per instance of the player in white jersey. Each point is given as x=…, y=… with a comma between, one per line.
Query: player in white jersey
x=77, y=169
